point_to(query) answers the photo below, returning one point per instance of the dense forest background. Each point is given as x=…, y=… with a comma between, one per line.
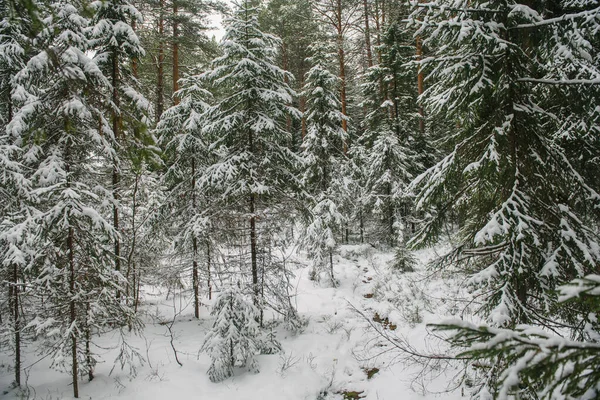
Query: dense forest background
x=135, y=150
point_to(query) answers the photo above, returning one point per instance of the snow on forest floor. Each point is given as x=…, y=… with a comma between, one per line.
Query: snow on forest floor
x=335, y=353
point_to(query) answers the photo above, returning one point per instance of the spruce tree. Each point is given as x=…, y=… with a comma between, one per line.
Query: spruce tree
x=61, y=123
x=509, y=176
x=15, y=185
x=323, y=154
x=527, y=211
x=181, y=136
x=115, y=44
x=233, y=340
x=253, y=176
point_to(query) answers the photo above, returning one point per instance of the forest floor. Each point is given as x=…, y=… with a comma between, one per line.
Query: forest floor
x=347, y=350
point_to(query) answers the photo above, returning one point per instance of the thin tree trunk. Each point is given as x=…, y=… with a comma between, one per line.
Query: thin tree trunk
x=208, y=261
x=367, y=35
x=116, y=174
x=134, y=61
x=390, y=215
x=253, y=249
x=72, y=300
x=14, y=295
x=17, y=327
x=175, y=52
x=88, y=340
x=195, y=281
x=302, y=106
x=420, y=84
x=133, y=235
x=160, y=90
x=331, y=268
x=342, y=65
x=286, y=79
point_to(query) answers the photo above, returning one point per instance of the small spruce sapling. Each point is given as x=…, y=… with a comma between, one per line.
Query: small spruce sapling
x=233, y=340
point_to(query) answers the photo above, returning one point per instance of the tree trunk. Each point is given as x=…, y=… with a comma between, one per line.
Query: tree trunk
x=302, y=106
x=420, y=84
x=72, y=297
x=253, y=249
x=331, y=268
x=175, y=52
x=342, y=65
x=160, y=90
x=17, y=322
x=208, y=261
x=88, y=341
x=134, y=61
x=116, y=174
x=195, y=282
x=367, y=35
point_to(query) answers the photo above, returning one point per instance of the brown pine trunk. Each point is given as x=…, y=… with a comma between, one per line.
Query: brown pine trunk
x=302, y=106
x=286, y=67
x=342, y=64
x=367, y=35
x=175, y=53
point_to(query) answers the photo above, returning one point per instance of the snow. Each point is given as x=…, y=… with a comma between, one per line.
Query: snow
x=330, y=356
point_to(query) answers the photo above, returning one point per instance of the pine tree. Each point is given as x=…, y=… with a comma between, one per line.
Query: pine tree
x=254, y=172
x=233, y=340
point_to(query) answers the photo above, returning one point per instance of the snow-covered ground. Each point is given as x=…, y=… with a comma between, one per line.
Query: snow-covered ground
x=339, y=351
